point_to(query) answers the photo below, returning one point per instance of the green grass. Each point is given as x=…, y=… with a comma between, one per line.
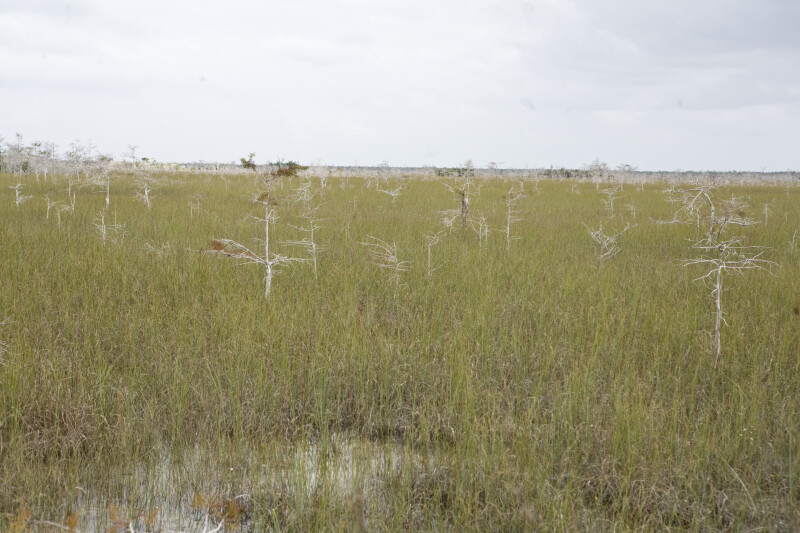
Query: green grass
x=520, y=389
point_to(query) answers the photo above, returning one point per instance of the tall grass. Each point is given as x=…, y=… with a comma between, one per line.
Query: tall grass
x=516, y=387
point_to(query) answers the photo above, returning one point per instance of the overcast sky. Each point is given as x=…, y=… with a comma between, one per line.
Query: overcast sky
x=667, y=84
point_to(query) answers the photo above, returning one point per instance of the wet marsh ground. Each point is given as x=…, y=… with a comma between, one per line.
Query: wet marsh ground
x=146, y=384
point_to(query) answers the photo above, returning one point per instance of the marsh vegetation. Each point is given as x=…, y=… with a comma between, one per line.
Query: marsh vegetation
x=498, y=373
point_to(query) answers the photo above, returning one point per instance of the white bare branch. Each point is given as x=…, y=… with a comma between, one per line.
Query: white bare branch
x=19, y=198
x=431, y=240
x=449, y=217
x=146, y=182
x=309, y=243
x=194, y=203
x=607, y=243
x=385, y=256
x=393, y=193
x=612, y=194
x=515, y=193
x=160, y=251
x=481, y=227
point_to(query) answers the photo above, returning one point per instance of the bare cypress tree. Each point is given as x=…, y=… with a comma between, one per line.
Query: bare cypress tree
x=725, y=257
x=385, y=256
x=393, y=193
x=612, y=194
x=309, y=242
x=695, y=206
x=19, y=198
x=266, y=178
x=607, y=245
x=147, y=182
x=194, y=203
x=698, y=205
x=431, y=240
x=515, y=194
x=465, y=190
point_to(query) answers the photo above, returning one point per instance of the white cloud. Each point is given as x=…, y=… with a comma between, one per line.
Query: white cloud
x=538, y=82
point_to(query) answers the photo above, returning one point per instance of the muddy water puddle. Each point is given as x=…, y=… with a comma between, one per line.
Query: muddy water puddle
x=203, y=490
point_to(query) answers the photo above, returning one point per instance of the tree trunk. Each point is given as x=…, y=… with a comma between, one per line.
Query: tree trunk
x=464, y=208
x=717, y=341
